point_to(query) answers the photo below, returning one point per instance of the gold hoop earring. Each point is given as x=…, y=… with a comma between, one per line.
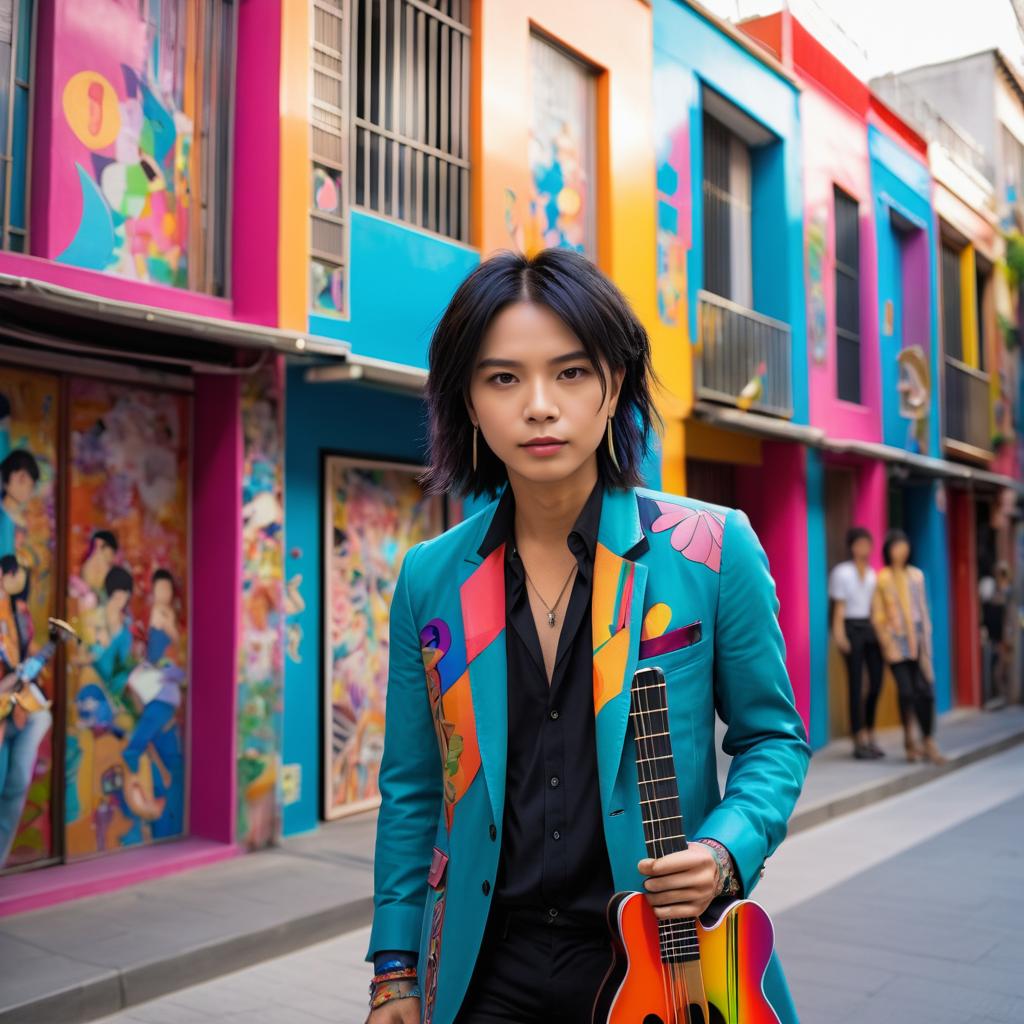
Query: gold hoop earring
x=611, y=445
x=475, y=432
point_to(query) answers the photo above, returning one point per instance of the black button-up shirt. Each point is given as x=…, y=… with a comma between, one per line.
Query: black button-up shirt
x=553, y=854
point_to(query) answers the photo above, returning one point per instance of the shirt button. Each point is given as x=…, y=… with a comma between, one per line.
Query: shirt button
x=554, y=714
x=486, y=887
x=493, y=832
x=552, y=913
x=556, y=834
x=554, y=781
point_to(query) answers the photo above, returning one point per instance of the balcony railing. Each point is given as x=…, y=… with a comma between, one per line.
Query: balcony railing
x=967, y=406
x=744, y=359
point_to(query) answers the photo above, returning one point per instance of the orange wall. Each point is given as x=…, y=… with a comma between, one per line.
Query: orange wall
x=619, y=45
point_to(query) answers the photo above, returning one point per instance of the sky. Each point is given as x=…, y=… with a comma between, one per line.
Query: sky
x=876, y=36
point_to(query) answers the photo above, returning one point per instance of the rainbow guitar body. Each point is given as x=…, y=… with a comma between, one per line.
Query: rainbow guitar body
x=683, y=970
x=722, y=986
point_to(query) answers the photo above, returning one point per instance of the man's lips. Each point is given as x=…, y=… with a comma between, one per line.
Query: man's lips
x=543, y=442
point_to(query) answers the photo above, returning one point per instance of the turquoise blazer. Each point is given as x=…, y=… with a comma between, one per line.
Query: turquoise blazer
x=662, y=564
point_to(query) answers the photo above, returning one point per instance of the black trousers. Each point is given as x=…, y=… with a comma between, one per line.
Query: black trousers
x=864, y=652
x=532, y=971
x=916, y=695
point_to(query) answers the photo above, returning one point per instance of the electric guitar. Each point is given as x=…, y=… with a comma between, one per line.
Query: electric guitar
x=680, y=971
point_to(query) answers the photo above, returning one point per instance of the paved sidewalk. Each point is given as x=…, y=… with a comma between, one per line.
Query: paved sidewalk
x=93, y=957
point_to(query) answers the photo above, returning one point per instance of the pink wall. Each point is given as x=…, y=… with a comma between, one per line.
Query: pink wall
x=836, y=154
x=779, y=516
x=78, y=163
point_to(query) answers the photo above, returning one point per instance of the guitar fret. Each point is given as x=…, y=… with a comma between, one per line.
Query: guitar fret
x=650, y=735
x=671, y=817
x=656, y=757
x=658, y=799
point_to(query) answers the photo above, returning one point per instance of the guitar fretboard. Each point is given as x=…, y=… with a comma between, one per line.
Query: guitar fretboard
x=659, y=798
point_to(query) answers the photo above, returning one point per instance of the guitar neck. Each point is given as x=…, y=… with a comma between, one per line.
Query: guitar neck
x=659, y=797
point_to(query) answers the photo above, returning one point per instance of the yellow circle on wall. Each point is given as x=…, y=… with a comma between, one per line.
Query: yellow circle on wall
x=91, y=107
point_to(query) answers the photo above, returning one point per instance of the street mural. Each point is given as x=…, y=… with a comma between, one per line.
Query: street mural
x=561, y=151
x=28, y=458
x=374, y=514
x=261, y=657
x=127, y=552
x=124, y=156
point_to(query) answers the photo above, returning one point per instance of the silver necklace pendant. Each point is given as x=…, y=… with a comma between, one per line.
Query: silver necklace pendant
x=551, y=618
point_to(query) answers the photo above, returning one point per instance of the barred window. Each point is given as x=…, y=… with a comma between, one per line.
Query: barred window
x=16, y=25
x=410, y=99
x=329, y=144
x=847, y=246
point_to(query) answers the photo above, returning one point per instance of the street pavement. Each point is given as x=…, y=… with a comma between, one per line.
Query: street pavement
x=906, y=912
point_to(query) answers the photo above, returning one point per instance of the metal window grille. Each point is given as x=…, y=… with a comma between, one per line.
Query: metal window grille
x=410, y=152
x=952, y=324
x=329, y=147
x=847, y=247
x=17, y=32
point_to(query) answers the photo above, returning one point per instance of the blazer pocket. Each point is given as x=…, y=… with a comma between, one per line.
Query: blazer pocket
x=674, y=640
x=438, y=869
x=672, y=658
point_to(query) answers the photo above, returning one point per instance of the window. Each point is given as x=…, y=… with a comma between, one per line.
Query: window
x=16, y=17
x=981, y=279
x=1013, y=169
x=563, y=147
x=847, y=245
x=329, y=148
x=952, y=323
x=727, y=207
x=411, y=112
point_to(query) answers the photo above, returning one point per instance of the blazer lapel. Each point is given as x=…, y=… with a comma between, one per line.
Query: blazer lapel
x=616, y=617
x=482, y=600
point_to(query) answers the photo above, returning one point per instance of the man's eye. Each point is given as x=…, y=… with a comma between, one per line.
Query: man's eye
x=502, y=378
x=574, y=372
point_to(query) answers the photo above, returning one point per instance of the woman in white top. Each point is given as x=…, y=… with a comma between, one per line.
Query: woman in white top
x=851, y=586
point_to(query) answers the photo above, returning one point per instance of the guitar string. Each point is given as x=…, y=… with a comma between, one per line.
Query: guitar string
x=646, y=745
x=678, y=938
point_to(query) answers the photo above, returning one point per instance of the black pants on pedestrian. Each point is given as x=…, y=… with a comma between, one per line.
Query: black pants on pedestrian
x=534, y=971
x=864, y=652
x=916, y=695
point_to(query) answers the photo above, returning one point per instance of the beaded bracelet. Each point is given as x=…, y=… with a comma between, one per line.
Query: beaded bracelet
x=388, y=991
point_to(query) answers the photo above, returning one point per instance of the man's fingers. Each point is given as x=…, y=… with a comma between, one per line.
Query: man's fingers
x=679, y=910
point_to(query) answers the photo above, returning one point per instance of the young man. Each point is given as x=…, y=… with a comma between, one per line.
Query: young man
x=851, y=585
x=510, y=811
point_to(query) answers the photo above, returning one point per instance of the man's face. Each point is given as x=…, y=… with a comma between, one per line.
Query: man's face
x=104, y=554
x=20, y=486
x=861, y=549
x=533, y=379
x=118, y=600
x=163, y=593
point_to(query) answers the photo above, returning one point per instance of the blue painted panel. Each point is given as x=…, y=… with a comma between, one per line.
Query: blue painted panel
x=900, y=182
x=927, y=528
x=401, y=281
x=323, y=418
x=817, y=580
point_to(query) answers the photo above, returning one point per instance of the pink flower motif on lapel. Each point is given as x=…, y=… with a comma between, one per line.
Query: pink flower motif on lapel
x=696, y=533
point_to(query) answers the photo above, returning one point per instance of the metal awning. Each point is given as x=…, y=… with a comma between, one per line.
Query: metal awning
x=50, y=316
x=756, y=423
x=368, y=370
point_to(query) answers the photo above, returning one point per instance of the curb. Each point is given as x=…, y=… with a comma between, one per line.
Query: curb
x=854, y=800
x=113, y=991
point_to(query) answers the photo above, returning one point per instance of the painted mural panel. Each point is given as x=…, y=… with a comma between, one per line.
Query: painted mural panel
x=374, y=513
x=28, y=458
x=562, y=152
x=261, y=657
x=674, y=94
x=123, y=143
x=127, y=550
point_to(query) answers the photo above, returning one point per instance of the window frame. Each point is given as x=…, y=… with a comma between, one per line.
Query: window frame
x=849, y=270
x=7, y=151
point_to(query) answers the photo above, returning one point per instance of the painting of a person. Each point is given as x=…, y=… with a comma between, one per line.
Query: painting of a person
x=19, y=474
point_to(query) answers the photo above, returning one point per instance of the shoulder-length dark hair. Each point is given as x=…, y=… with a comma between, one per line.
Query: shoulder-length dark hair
x=892, y=538
x=590, y=306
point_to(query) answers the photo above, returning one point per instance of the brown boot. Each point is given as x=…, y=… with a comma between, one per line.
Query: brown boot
x=932, y=752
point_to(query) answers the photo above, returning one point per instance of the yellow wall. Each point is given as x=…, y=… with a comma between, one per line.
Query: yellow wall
x=618, y=45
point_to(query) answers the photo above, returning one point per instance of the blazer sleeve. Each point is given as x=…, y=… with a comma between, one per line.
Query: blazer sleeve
x=410, y=785
x=765, y=735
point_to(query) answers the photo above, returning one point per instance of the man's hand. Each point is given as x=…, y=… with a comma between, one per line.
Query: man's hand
x=681, y=884
x=398, y=1011
x=841, y=642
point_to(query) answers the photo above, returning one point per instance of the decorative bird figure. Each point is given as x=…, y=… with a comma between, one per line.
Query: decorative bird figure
x=753, y=389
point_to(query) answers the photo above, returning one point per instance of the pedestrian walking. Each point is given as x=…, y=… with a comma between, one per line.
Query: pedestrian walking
x=851, y=587
x=904, y=628
x=515, y=637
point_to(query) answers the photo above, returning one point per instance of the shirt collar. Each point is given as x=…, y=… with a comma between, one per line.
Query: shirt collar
x=582, y=538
